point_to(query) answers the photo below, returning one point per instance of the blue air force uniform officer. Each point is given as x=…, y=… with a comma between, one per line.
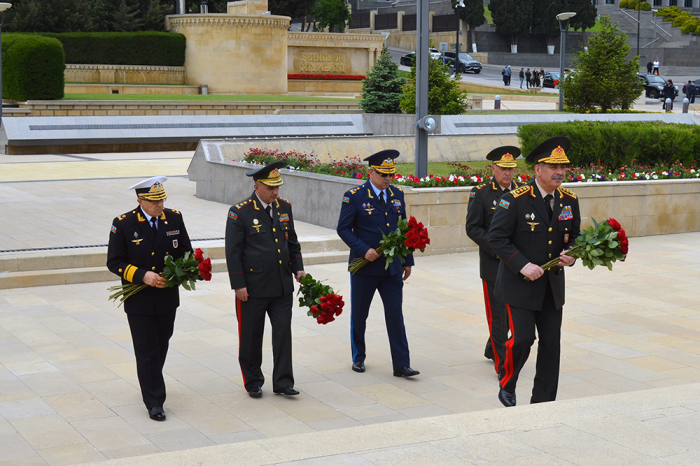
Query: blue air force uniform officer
x=368, y=211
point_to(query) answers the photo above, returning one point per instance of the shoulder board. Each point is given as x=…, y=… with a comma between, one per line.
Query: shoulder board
x=123, y=217
x=567, y=192
x=242, y=205
x=481, y=186
x=354, y=190
x=521, y=191
x=284, y=200
x=397, y=187
x=173, y=211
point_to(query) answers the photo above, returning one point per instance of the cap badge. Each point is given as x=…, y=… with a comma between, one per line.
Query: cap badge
x=507, y=158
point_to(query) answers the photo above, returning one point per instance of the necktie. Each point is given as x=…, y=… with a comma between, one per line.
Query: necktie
x=268, y=209
x=548, y=204
x=381, y=199
x=153, y=224
x=506, y=191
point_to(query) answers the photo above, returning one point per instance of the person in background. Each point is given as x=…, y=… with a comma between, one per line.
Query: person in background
x=528, y=78
x=522, y=77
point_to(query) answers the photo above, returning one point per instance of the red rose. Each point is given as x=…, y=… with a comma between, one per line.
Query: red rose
x=206, y=276
x=621, y=235
x=205, y=267
x=198, y=255
x=614, y=224
x=412, y=222
x=624, y=246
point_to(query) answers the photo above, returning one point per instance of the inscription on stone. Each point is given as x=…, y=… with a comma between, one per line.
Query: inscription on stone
x=322, y=63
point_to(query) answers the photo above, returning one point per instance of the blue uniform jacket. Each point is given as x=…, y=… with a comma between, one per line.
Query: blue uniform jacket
x=362, y=222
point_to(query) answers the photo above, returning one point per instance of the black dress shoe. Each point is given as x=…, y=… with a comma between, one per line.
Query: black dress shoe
x=157, y=414
x=255, y=392
x=289, y=391
x=358, y=366
x=405, y=372
x=507, y=398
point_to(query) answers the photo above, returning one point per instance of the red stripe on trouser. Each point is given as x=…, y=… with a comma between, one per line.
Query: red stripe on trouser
x=508, y=363
x=489, y=319
x=238, y=317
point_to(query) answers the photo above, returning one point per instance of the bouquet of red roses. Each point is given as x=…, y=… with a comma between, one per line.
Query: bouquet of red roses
x=323, y=303
x=184, y=271
x=601, y=244
x=409, y=236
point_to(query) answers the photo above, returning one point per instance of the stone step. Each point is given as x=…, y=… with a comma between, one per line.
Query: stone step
x=72, y=275
x=97, y=257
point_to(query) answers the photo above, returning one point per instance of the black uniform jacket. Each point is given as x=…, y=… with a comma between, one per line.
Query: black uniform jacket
x=362, y=222
x=518, y=238
x=262, y=253
x=135, y=249
x=483, y=201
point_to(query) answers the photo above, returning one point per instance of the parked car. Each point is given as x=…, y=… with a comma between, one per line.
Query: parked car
x=409, y=58
x=466, y=62
x=549, y=79
x=654, y=86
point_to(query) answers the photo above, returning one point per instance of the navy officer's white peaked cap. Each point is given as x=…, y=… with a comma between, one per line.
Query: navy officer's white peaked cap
x=151, y=189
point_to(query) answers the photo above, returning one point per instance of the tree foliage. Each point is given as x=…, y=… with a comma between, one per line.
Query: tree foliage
x=544, y=18
x=604, y=77
x=292, y=8
x=512, y=17
x=473, y=14
x=444, y=95
x=586, y=14
x=86, y=15
x=332, y=14
x=382, y=89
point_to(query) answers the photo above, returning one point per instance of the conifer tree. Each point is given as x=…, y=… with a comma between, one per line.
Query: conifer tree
x=382, y=89
x=512, y=17
x=585, y=14
x=155, y=16
x=126, y=18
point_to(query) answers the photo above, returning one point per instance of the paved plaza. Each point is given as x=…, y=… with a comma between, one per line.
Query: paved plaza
x=69, y=393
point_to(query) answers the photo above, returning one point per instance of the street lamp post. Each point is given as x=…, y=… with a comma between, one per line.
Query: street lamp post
x=563, y=19
x=459, y=5
x=639, y=22
x=3, y=8
x=653, y=12
x=422, y=63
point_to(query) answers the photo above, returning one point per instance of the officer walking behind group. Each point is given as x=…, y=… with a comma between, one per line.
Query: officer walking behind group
x=368, y=211
x=262, y=255
x=532, y=224
x=482, y=204
x=138, y=244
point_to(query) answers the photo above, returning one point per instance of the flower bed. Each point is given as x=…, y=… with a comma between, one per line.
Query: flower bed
x=465, y=175
x=328, y=77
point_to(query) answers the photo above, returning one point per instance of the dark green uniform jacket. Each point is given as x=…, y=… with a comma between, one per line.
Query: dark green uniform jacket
x=262, y=253
x=483, y=201
x=135, y=249
x=518, y=238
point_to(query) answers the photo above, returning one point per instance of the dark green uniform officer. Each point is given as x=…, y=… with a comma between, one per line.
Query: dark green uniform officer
x=482, y=204
x=532, y=225
x=138, y=244
x=262, y=255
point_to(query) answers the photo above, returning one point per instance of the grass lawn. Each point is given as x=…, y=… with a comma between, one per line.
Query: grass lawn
x=205, y=98
x=444, y=168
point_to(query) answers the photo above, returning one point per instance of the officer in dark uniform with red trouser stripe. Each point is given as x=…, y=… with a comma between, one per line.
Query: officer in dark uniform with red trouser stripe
x=482, y=204
x=138, y=244
x=532, y=225
x=262, y=255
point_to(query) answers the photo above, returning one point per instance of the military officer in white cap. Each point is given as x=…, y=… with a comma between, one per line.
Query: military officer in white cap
x=139, y=241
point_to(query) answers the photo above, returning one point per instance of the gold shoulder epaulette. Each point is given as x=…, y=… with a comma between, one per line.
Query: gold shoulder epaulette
x=481, y=186
x=284, y=200
x=521, y=191
x=398, y=187
x=243, y=204
x=125, y=216
x=567, y=192
x=174, y=211
x=354, y=190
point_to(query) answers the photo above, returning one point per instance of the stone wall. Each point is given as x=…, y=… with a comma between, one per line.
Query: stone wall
x=157, y=107
x=244, y=54
x=323, y=87
x=130, y=89
x=329, y=53
x=125, y=74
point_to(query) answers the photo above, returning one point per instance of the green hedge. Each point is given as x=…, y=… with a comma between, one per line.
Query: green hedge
x=32, y=67
x=123, y=48
x=618, y=144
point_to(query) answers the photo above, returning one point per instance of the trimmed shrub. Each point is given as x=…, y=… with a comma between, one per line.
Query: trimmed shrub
x=618, y=144
x=632, y=4
x=123, y=48
x=691, y=25
x=680, y=19
x=645, y=6
x=32, y=67
x=624, y=3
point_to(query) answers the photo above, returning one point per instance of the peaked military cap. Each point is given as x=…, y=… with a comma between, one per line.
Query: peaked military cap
x=269, y=174
x=383, y=161
x=504, y=156
x=151, y=189
x=553, y=150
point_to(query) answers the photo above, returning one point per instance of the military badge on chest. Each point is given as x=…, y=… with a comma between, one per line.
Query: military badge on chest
x=175, y=243
x=369, y=208
x=566, y=214
x=532, y=224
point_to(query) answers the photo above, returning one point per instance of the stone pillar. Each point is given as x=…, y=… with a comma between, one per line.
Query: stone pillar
x=372, y=14
x=370, y=58
x=430, y=22
x=399, y=20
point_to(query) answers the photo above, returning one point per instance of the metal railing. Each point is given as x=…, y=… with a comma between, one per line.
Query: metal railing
x=658, y=27
x=645, y=46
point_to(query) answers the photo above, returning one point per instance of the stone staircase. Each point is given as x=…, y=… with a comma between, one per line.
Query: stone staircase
x=87, y=265
x=666, y=35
